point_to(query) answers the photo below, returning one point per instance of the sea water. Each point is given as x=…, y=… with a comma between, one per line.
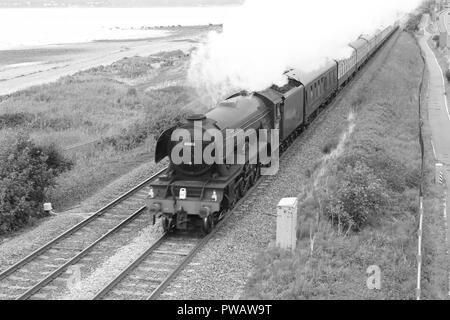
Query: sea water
x=25, y=27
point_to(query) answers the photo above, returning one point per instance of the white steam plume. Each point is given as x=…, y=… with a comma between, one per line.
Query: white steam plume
x=266, y=37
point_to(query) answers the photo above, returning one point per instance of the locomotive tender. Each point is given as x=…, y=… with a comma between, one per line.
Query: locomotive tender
x=189, y=194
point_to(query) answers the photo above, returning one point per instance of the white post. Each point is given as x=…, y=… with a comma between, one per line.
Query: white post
x=439, y=173
x=287, y=224
x=48, y=209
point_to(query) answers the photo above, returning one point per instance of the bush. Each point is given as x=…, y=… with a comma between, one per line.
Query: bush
x=412, y=25
x=447, y=75
x=11, y=120
x=136, y=135
x=330, y=146
x=26, y=171
x=436, y=39
x=359, y=199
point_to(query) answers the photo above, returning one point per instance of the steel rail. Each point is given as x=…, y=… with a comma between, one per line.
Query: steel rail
x=76, y=228
x=79, y=256
x=130, y=268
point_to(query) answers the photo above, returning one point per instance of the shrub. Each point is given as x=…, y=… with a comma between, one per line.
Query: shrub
x=26, y=171
x=330, y=146
x=132, y=92
x=447, y=75
x=358, y=199
x=412, y=24
x=11, y=120
x=135, y=135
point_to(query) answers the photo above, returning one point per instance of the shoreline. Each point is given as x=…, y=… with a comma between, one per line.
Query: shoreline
x=45, y=64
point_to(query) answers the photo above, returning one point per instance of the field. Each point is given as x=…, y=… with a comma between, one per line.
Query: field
x=360, y=202
x=104, y=119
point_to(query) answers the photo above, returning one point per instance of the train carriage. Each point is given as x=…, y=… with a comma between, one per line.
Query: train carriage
x=320, y=85
x=362, y=52
x=346, y=68
x=388, y=32
x=379, y=39
x=371, y=40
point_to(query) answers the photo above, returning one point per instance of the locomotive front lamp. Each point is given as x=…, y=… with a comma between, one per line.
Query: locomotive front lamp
x=214, y=196
x=183, y=194
x=151, y=193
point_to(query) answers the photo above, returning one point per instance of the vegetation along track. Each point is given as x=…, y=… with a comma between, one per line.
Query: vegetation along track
x=31, y=276
x=149, y=275
x=146, y=278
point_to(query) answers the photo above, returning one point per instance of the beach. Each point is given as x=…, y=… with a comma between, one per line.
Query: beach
x=35, y=65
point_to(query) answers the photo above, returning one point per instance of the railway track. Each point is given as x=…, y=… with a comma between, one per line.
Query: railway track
x=147, y=276
x=150, y=274
x=35, y=276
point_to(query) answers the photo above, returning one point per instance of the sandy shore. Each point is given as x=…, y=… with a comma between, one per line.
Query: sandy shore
x=24, y=68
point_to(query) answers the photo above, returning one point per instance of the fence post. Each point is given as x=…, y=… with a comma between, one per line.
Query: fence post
x=287, y=216
x=439, y=173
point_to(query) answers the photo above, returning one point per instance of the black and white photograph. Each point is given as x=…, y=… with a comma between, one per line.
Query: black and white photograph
x=218, y=158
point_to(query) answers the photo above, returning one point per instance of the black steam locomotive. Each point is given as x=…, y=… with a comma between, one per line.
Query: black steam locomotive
x=191, y=192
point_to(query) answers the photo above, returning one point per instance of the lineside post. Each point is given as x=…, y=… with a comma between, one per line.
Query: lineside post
x=287, y=217
x=439, y=174
x=419, y=253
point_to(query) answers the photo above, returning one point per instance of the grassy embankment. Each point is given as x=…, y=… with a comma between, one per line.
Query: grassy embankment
x=360, y=205
x=117, y=110
x=434, y=236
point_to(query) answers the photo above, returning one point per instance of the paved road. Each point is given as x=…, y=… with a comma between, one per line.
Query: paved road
x=438, y=111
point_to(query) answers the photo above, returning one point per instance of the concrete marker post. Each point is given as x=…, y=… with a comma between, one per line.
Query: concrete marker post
x=48, y=209
x=287, y=218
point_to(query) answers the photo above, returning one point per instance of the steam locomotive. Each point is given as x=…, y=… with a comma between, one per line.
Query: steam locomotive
x=196, y=194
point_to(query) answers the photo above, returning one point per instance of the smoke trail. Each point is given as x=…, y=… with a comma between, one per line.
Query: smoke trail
x=266, y=37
